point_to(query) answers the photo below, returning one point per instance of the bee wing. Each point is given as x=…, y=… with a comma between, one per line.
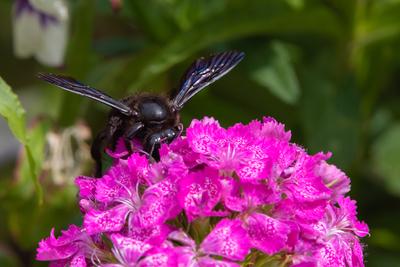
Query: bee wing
x=203, y=72
x=72, y=85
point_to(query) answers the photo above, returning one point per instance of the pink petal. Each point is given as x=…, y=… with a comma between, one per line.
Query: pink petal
x=273, y=129
x=210, y=262
x=199, y=192
x=159, y=203
x=357, y=255
x=78, y=260
x=180, y=146
x=334, y=179
x=267, y=234
x=309, y=190
x=302, y=184
x=348, y=208
x=183, y=238
x=238, y=137
x=239, y=196
x=330, y=255
x=228, y=239
x=111, y=220
x=160, y=257
x=129, y=249
x=87, y=186
x=173, y=164
x=152, y=235
x=305, y=264
x=232, y=194
x=307, y=212
x=63, y=247
x=85, y=205
x=120, y=150
x=293, y=235
x=46, y=252
x=254, y=170
x=361, y=228
x=72, y=234
x=59, y=263
x=117, y=182
x=203, y=135
x=153, y=211
x=139, y=167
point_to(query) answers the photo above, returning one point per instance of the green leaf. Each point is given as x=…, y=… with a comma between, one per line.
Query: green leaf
x=277, y=74
x=32, y=159
x=386, y=158
x=381, y=25
x=331, y=118
x=12, y=110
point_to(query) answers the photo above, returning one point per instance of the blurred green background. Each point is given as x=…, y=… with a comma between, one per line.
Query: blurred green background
x=328, y=69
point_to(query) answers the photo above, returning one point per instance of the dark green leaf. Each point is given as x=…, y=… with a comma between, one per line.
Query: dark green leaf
x=277, y=74
x=330, y=118
x=230, y=25
x=154, y=17
x=386, y=158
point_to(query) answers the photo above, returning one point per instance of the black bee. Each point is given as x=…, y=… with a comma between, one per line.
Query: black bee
x=152, y=119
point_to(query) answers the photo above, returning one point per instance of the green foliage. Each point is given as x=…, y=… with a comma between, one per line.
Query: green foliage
x=277, y=74
x=232, y=23
x=331, y=119
x=327, y=69
x=385, y=152
x=11, y=109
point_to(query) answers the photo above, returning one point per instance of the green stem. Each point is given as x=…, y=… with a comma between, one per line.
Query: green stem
x=34, y=175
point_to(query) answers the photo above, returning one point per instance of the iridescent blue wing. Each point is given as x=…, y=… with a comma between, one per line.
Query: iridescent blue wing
x=72, y=85
x=203, y=72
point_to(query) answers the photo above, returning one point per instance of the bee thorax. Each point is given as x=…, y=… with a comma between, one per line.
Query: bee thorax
x=153, y=111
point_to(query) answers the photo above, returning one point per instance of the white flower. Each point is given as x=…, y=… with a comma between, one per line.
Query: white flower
x=41, y=30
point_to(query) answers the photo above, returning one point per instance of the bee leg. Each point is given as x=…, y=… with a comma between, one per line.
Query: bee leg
x=153, y=144
x=150, y=144
x=128, y=146
x=130, y=134
x=154, y=141
x=134, y=130
x=180, y=130
x=95, y=151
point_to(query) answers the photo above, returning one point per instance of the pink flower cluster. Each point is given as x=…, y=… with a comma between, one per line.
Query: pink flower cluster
x=218, y=197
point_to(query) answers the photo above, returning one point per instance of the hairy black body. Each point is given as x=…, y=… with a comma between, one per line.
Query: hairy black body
x=156, y=122
x=152, y=119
